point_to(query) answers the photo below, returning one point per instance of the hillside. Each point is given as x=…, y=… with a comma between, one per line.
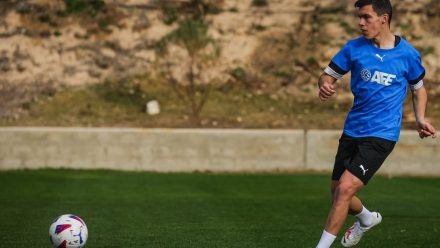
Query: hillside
x=276, y=47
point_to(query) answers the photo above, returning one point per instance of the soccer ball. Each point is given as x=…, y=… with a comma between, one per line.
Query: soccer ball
x=68, y=231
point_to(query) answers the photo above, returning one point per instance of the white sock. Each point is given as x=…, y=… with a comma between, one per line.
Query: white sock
x=326, y=240
x=365, y=217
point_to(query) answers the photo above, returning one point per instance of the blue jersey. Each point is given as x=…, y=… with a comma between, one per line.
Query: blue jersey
x=379, y=82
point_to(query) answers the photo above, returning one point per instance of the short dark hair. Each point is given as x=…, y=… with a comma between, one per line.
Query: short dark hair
x=379, y=6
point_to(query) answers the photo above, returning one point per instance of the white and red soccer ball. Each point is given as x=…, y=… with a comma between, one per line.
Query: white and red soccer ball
x=68, y=231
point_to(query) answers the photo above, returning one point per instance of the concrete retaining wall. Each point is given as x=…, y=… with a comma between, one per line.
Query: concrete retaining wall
x=186, y=150
x=411, y=155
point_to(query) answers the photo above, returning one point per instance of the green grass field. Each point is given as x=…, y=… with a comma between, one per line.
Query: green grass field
x=127, y=209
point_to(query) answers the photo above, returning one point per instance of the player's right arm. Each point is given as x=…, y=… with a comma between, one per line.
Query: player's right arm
x=326, y=86
x=339, y=66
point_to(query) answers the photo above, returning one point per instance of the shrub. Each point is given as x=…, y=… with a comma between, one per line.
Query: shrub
x=92, y=7
x=170, y=15
x=238, y=73
x=260, y=3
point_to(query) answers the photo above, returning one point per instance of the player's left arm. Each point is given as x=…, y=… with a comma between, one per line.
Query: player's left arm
x=420, y=99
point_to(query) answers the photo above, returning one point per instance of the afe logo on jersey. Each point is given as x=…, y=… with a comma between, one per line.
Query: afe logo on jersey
x=366, y=75
x=379, y=77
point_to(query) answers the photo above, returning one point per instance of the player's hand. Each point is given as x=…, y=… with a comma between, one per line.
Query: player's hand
x=425, y=129
x=326, y=90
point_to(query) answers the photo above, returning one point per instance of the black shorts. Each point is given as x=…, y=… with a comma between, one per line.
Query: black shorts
x=361, y=156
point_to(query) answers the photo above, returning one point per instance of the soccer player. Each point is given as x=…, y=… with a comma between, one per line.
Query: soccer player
x=383, y=66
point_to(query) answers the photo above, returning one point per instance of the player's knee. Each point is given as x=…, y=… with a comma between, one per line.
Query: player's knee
x=345, y=190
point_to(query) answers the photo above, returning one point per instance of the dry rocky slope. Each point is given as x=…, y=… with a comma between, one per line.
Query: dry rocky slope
x=281, y=46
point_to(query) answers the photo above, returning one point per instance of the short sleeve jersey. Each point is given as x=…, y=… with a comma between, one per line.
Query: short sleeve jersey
x=379, y=83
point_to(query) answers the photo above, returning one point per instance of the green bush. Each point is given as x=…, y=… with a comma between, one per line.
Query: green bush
x=170, y=15
x=202, y=7
x=44, y=18
x=425, y=51
x=92, y=7
x=260, y=28
x=260, y=3
x=191, y=34
x=238, y=73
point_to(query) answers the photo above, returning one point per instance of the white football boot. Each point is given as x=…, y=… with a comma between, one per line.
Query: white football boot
x=354, y=234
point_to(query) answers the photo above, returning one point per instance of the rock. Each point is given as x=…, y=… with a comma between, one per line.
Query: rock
x=153, y=107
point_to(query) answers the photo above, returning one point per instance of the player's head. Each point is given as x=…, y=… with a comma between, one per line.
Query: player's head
x=374, y=16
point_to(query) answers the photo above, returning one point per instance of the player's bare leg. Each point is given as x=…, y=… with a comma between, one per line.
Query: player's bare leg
x=343, y=194
x=355, y=206
x=365, y=219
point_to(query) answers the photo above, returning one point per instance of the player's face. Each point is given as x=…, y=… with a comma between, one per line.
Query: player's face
x=370, y=23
